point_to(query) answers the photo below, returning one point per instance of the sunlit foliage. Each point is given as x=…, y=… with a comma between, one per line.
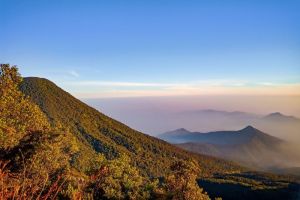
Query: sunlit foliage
x=182, y=184
x=18, y=115
x=117, y=179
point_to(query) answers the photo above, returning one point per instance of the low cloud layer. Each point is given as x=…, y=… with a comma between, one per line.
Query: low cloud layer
x=99, y=89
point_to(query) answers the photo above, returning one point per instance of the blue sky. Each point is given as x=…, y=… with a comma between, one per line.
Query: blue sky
x=145, y=48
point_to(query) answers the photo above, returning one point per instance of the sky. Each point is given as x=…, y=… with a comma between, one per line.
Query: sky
x=96, y=49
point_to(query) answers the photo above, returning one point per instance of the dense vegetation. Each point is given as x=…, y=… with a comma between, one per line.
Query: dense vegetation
x=54, y=146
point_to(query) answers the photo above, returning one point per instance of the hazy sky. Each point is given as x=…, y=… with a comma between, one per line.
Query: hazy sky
x=155, y=115
x=156, y=48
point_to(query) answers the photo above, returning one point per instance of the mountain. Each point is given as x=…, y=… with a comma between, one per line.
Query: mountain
x=248, y=146
x=278, y=117
x=212, y=120
x=246, y=135
x=277, y=124
x=102, y=134
x=221, y=113
x=280, y=125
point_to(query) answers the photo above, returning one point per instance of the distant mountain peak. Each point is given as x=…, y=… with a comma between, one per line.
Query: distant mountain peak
x=175, y=133
x=249, y=128
x=182, y=130
x=276, y=114
x=280, y=116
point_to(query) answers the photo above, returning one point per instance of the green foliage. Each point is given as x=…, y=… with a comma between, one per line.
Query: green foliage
x=37, y=155
x=18, y=115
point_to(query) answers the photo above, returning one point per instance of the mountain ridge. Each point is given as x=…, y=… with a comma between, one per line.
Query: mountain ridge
x=248, y=146
x=244, y=135
x=280, y=116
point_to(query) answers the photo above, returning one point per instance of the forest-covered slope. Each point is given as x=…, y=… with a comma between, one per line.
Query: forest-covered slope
x=99, y=133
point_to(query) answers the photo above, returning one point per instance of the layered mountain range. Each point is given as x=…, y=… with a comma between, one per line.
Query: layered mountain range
x=249, y=146
x=276, y=124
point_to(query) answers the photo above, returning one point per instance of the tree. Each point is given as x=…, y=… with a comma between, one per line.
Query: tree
x=33, y=156
x=18, y=115
x=181, y=183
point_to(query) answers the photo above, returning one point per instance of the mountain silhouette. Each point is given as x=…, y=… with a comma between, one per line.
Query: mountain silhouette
x=248, y=146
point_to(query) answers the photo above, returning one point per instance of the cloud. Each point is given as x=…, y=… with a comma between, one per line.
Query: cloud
x=73, y=73
x=212, y=82
x=206, y=87
x=267, y=84
x=120, y=84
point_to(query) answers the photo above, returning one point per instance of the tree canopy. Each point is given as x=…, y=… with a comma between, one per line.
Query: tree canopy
x=18, y=115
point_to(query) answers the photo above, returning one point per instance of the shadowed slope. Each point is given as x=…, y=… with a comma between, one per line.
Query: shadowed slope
x=248, y=146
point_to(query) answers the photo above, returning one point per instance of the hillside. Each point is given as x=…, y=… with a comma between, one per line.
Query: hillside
x=249, y=147
x=99, y=133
